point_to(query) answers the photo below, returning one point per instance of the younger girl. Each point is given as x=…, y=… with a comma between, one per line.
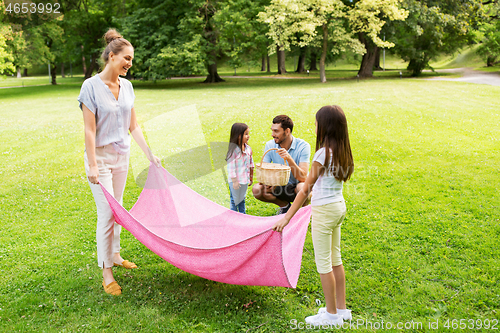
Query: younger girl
x=239, y=165
x=332, y=165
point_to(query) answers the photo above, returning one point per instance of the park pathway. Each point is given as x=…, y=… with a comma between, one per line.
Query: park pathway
x=472, y=76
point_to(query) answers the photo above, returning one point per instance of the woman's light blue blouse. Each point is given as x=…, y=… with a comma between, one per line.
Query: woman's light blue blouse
x=112, y=116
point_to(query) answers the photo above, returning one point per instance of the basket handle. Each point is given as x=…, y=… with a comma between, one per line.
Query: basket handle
x=262, y=158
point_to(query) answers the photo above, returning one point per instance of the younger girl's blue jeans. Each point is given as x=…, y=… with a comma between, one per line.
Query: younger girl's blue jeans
x=238, y=197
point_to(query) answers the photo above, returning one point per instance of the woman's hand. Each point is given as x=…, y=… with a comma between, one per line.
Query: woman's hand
x=93, y=175
x=281, y=224
x=236, y=185
x=155, y=160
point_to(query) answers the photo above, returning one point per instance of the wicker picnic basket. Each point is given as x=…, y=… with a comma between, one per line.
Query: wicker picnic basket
x=272, y=174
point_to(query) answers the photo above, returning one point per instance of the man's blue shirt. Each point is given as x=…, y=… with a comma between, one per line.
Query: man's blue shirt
x=300, y=151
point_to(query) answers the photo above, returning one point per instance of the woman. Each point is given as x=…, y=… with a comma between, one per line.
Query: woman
x=107, y=102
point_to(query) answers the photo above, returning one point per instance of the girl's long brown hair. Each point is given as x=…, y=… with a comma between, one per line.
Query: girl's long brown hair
x=236, y=138
x=332, y=134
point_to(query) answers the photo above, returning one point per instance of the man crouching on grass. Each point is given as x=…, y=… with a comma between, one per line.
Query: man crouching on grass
x=296, y=152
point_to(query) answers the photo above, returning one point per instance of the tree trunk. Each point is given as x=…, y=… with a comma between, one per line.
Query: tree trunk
x=281, y=60
x=301, y=65
x=490, y=61
x=263, y=67
x=25, y=72
x=18, y=72
x=322, y=60
x=417, y=65
x=83, y=62
x=92, y=66
x=62, y=70
x=213, y=76
x=376, y=65
x=366, y=68
x=54, y=74
x=211, y=35
x=314, y=57
x=268, y=63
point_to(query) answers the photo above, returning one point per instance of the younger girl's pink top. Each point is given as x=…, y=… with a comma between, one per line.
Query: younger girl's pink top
x=239, y=164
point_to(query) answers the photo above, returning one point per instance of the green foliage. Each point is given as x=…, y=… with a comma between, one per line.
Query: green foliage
x=6, y=56
x=287, y=19
x=195, y=38
x=319, y=24
x=85, y=24
x=242, y=36
x=366, y=18
x=184, y=37
x=369, y=16
x=341, y=41
x=489, y=33
x=37, y=50
x=34, y=38
x=152, y=27
x=17, y=45
x=433, y=27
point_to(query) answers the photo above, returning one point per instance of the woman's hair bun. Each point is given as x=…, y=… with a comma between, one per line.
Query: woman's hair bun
x=115, y=47
x=111, y=35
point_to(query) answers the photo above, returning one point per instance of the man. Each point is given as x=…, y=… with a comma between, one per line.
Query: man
x=296, y=152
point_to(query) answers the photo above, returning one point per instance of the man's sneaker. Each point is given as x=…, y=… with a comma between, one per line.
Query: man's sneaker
x=283, y=210
x=345, y=313
x=325, y=319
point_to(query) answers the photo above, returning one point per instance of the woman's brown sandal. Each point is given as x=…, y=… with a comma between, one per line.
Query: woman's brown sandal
x=113, y=288
x=126, y=264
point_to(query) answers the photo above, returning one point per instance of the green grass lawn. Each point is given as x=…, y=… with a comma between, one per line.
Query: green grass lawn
x=492, y=69
x=36, y=80
x=420, y=241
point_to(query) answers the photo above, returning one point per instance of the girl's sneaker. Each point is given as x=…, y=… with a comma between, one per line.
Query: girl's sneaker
x=325, y=319
x=345, y=313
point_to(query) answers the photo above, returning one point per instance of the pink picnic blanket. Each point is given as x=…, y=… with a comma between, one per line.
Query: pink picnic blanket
x=208, y=240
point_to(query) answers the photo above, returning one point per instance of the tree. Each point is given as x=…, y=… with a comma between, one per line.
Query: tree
x=36, y=51
x=290, y=23
x=6, y=57
x=489, y=33
x=204, y=32
x=301, y=63
x=153, y=27
x=17, y=45
x=242, y=38
x=35, y=38
x=367, y=17
x=433, y=27
x=195, y=45
x=54, y=37
x=309, y=22
x=336, y=41
x=176, y=37
x=85, y=23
